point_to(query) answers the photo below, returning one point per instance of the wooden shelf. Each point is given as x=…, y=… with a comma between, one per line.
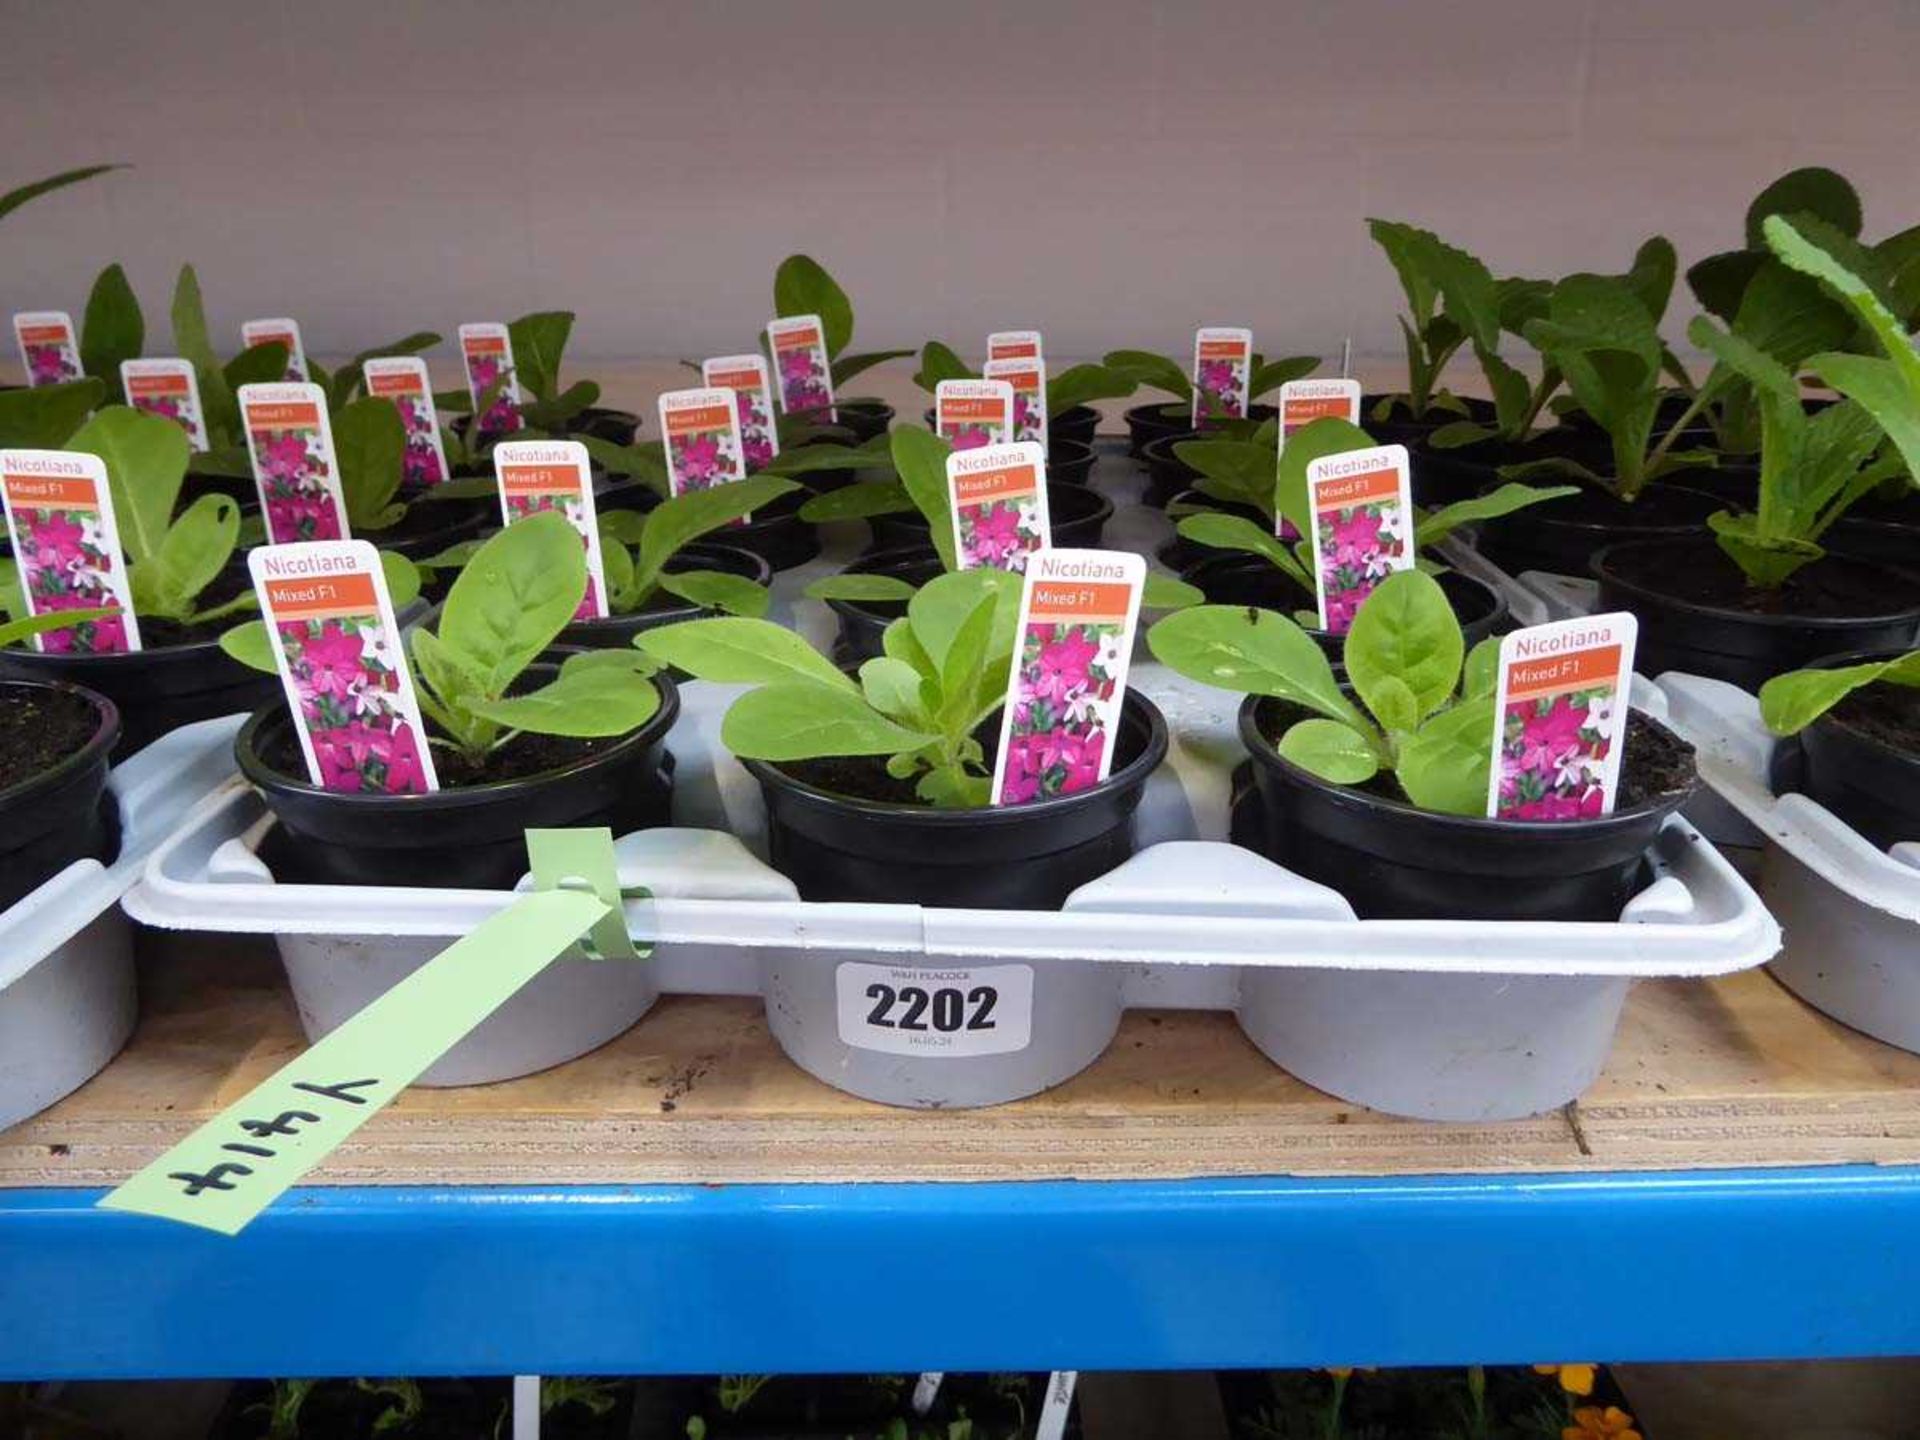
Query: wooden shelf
x=1728, y=1073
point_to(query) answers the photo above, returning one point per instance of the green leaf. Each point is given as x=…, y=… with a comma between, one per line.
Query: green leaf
x=1650, y=277
x=370, y=443
x=255, y=365
x=1238, y=472
x=453, y=557
x=1480, y=674
x=556, y=413
x=1335, y=752
x=738, y=651
x=625, y=659
x=248, y=643
x=622, y=527
x=1789, y=703
x=1164, y=592
x=858, y=502
x=45, y=416
x=1144, y=367
x=583, y=702
x=845, y=367
x=1766, y=559
x=802, y=286
x=113, y=329
x=941, y=610
x=1085, y=383
x=616, y=562
x=1236, y=532
x=937, y=363
x=1329, y=435
x=20, y=195
x=14, y=631
x=717, y=590
x=896, y=690
x=445, y=672
x=514, y=597
x=674, y=524
x=1815, y=190
x=808, y=459
x=920, y=459
x=1252, y=652
x=1405, y=251
x=1275, y=373
x=799, y=720
x=1393, y=704
x=1505, y=500
x=858, y=587
x=538, y=342
x=191, y=340
x=191, y=552
x=1446, y=764
x=1405, y=631
x=146, y=458
x=403, y=579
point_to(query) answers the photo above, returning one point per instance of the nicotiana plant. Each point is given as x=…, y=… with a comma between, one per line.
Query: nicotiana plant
x=1425, y=713
x=13, y=199
x=539, y=342
x=802, y=286
x=1080, y=384
x=44, y=416
x=510, y=602
x=637, y=546
x=1163, y=372
x=1245, y=472
x=1791, y=702
x=943, y=675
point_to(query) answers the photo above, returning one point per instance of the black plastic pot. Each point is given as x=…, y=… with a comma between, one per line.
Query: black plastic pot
x=1395, y=862
x=616, y=427
x=1167, y=474
x=1069, y=462
x=1015, y=857
x=1871, y=784
x=1403, y=428
x=238, y=488
x=1075, y=514
x=1562, y=536
x=776, y=533
x=1228, y=577
x=60, y=815
x=163, y=687
x=619, y=630
x=864, y=418
x=1441, y=476
x=471, y=836
x=863, y=622
x=1885, y=530
x=1078, y=423
x=1180, y=554
x=1718, y=638
x=1147, y=423
x=430, y=526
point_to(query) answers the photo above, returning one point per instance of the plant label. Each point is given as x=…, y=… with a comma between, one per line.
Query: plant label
x=279, y=331
x=535, y=475
x=290, y=443
x=998, y=495
x=798, y=344
x=1058, y=1405
x=168, y=388
x=1078, y=612
x=486, y=350
x=971, y=413
x=402, y=379
x=1362, y=507
x=701, y=431
x=1029, y=381
x=746, y=376
x=238, y=1163
x=1304, y=401
x=926, y=1390
x=1560, y=718
x=59, y=510
x=1222, y=373
x=48, y=348
x=911, y=1010
x=1014, y=345
x=338, y=651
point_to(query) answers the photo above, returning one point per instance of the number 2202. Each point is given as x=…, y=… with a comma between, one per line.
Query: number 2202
x=949, y=1010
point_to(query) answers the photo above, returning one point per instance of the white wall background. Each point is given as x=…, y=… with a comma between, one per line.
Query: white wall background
x=1113, y=171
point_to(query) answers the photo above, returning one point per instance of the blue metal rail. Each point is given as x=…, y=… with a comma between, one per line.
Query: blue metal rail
x=1432, y=1270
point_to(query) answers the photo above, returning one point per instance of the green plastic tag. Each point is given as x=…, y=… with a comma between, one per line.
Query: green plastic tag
x=582, y=860
x=238, y=1163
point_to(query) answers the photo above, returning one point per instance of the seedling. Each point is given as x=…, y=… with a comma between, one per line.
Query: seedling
x=1076, y=385
x=1791, y=702
x=1163, y=372
x=802, y=286
x=1428, y=715
x=511, y=601
x=943, y=675
x=636, y=547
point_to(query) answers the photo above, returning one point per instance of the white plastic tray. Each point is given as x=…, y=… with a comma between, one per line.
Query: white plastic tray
x=67, y=996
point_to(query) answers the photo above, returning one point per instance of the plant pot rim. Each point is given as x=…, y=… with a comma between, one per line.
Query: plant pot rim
x=260, y=774
x=106, y=734
x=1133, y=773
x=1355, y=800
x=1855, y=736
x=1638, y=589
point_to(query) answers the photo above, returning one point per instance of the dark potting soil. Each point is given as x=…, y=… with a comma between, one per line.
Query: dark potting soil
x=160, y=634
x=1657, y=763
x=1889, y=714
x=526, y=754
x=39, y=728
x=1826, y=589
x=423, y=518
x=1657, y=505
x=865, y=777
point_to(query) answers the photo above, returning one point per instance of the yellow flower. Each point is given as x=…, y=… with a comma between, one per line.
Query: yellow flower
x=1574, y=1379
x=1590, y=1422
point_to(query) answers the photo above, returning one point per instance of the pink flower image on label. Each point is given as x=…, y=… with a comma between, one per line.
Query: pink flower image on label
x=1058, y=736
x=756, y=429
x=483, y=370
x=1553, y=755
x=1219, y=385
x=803, y=379
x=50, y=365
x=64, y=566
x=969, y=437
x=293, y=475
x=519, y=506
x=1359, y=547
x=422, y=461
x=346, y=674
x=999, y=533
x=703, y=459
